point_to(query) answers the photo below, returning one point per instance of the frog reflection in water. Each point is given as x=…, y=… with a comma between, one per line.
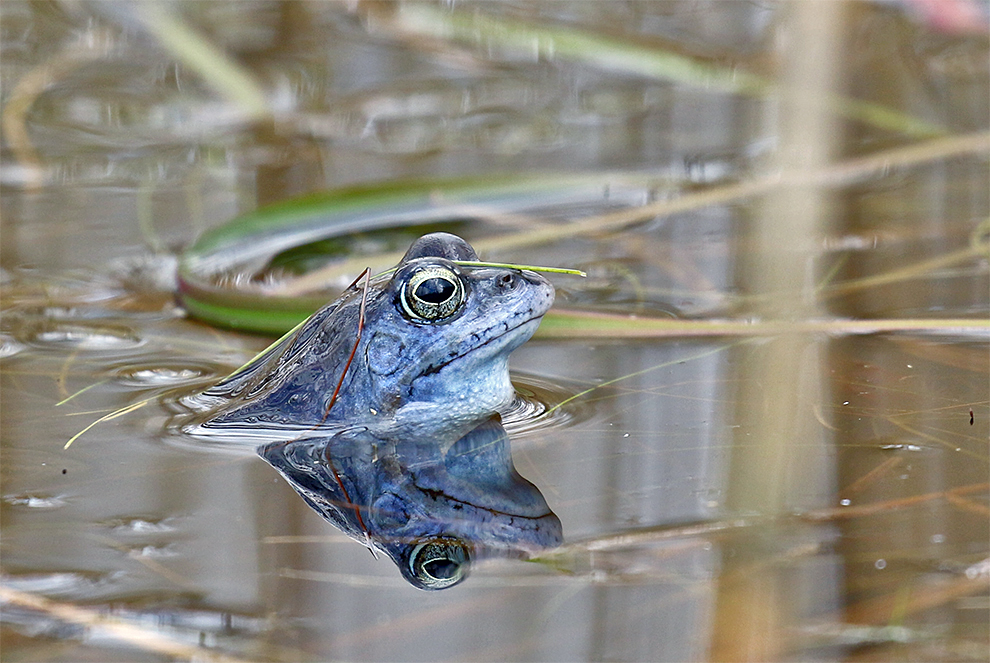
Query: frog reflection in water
x=410, y=458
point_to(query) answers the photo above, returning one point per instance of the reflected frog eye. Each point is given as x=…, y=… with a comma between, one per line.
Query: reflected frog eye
x=439, y=563
x=432, y=294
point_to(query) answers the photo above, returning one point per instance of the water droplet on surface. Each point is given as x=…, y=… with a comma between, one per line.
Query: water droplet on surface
x=95, y=338
x=845, y=502
x=36, y=501
x=880, y=564
x=151, y=552
x=900, y=447
x=8, y=346
x=161, y=376
x=131, y=526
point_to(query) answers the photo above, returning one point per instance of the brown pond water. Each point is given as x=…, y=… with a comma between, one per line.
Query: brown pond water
x=813, y=488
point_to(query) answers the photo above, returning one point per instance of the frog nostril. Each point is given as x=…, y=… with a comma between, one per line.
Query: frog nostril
x=507, y=281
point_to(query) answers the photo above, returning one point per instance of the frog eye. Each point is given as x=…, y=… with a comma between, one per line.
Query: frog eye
x=439, y=563
x=432, y=294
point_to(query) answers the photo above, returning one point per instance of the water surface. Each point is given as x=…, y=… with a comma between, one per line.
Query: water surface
x=142, y=543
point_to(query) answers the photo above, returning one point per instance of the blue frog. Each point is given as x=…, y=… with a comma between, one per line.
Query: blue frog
x=381, y=410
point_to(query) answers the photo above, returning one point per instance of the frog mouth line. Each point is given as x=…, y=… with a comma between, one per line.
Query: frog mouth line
x=437, y=494
x=440, y=367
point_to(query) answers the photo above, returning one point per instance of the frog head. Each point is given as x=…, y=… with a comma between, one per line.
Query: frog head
x=430, y=350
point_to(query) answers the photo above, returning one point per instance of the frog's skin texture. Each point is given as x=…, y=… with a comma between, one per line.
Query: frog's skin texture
x=410, y=458
x=406, y=373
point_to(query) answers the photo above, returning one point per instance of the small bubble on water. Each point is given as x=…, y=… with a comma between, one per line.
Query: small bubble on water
x=35, y=501
x=938, y=538
x=845, y=502
x=163, y=375
x=880, y=564
x=979, y=569
x=84, y=338
x=9, y=346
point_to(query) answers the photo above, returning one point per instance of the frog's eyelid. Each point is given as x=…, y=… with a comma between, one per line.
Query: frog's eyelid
x=505, y=265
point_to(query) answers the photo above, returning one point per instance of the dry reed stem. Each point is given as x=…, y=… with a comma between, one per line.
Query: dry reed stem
x=864, y=481
x=883, y=609
x=879, y=508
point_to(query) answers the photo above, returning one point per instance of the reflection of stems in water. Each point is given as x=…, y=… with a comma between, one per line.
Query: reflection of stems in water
x=835, y=175
x=254, y=309
x=679, y=360
x=952, y=447
x=622, y=54
x=631, y=539
x=93, y=45
x=778, y=382
x=884, y=608
x=212, y=64
x=846, y=512
x=142, y=637
x=919, y=270
x=867, y=479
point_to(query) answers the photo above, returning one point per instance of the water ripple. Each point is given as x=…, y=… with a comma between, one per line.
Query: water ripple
x=541, y=405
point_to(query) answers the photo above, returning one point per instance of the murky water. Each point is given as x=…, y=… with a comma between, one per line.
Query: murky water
x=864, y=537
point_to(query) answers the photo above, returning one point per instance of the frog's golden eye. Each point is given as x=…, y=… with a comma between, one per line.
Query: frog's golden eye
x=432, y=294
x=439, y=563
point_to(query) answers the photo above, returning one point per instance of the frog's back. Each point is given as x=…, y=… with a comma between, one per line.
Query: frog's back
x=315, y=354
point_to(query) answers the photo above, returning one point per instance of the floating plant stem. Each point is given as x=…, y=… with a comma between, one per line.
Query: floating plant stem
x=113, y=415
x=80, y=392
x=649, y=369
